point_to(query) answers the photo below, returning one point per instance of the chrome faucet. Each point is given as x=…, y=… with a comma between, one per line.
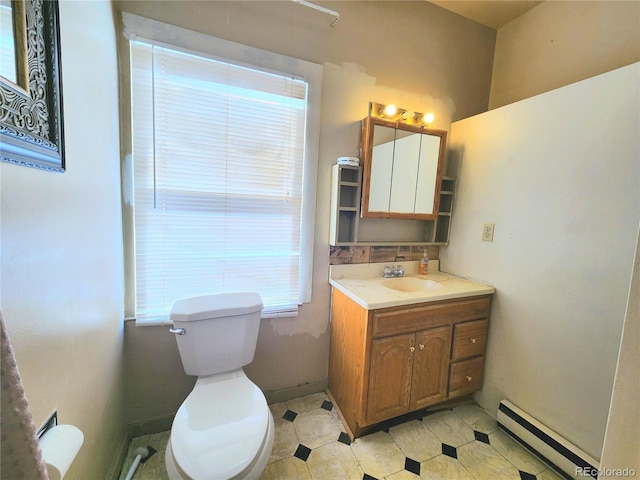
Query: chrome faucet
x=393, y=272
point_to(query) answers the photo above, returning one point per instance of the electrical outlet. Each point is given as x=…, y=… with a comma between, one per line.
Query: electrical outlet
x=487, y=232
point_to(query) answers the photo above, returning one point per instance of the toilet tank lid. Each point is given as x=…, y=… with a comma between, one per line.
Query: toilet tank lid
x=214, y=306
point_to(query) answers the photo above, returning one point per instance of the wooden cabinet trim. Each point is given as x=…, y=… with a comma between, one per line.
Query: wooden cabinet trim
x=348, y=355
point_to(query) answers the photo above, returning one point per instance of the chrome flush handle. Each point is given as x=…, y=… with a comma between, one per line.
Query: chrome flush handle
x=178, y=331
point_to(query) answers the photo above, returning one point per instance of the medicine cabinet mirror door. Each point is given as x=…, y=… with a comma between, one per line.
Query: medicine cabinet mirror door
x=402, y=170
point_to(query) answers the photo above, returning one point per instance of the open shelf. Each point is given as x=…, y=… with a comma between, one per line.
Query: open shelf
x=348, y=229
x=345, y=204
x=442, y=226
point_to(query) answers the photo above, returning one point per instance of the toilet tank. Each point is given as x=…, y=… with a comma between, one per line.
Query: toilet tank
x=220, y=331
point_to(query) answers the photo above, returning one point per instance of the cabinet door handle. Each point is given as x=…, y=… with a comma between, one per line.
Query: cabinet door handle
x=469, y=378
x=421, y=346
x=473, y=340
x=412, y=349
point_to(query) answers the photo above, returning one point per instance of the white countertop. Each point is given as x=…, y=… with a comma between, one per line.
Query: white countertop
x=363, y=283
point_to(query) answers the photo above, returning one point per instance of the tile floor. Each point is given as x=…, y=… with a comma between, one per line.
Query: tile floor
x=462, y=443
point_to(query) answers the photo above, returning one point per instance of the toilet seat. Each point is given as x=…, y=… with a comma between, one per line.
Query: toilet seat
x=220, y=428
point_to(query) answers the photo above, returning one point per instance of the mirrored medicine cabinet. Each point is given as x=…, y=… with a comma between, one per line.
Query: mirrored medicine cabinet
x=402, y=169
x=398, y=195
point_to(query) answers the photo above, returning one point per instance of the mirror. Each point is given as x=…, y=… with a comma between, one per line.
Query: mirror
x=402, y=171
x=13, y=59
x=7, y=43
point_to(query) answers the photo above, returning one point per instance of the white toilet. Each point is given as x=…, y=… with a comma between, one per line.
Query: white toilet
x=224, y=428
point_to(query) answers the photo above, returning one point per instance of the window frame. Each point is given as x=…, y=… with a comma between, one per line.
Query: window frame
x=160, y=34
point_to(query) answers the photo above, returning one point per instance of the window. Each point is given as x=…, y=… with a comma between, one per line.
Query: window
x=219, y=160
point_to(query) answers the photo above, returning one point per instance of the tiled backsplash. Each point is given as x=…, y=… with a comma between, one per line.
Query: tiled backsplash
x=376, y=254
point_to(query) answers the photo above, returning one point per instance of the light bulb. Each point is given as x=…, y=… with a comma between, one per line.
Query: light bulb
x=390, y=110
x=428, y=118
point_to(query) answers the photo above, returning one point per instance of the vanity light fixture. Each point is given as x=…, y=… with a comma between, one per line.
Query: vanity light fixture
x=408, y=115
x=392, y=113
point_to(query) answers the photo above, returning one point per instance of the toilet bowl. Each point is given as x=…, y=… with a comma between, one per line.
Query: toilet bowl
x=224, y=429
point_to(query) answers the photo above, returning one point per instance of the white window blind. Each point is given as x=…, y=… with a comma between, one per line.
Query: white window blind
x=218, y=163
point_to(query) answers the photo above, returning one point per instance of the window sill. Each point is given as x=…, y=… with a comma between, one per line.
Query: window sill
x=154, y=322
x=150, y=322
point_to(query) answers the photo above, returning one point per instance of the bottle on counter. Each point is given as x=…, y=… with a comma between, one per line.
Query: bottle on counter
x=423, y=269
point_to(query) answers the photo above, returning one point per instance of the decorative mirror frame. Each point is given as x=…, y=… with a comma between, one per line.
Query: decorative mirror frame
x=31, y=123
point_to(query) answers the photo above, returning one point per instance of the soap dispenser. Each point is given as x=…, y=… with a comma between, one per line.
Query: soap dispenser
x=424, y=263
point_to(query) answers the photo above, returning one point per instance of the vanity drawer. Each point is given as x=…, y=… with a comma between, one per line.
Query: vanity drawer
x=428, y=315
x=469, y=339
x=466, y=376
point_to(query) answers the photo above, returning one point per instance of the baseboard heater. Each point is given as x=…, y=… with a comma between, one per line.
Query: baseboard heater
x=562, y=455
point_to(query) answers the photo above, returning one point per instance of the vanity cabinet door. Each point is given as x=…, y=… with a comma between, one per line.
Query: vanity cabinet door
x=389, y=377
x=408, y=372
x=430, y=367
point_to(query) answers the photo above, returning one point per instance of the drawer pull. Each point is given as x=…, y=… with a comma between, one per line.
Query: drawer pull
x=412, y=349
x=421, y=347
x=473, y=340
x=469, y=379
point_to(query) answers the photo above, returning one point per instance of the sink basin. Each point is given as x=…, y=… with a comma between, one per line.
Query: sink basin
x=410, y=284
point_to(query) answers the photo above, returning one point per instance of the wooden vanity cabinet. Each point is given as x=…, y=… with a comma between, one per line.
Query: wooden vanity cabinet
x=388, y=362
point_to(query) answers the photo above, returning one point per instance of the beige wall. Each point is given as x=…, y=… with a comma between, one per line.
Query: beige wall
x=561, y=42
x=559, y=176
x=62, y=287
x=430, y=60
